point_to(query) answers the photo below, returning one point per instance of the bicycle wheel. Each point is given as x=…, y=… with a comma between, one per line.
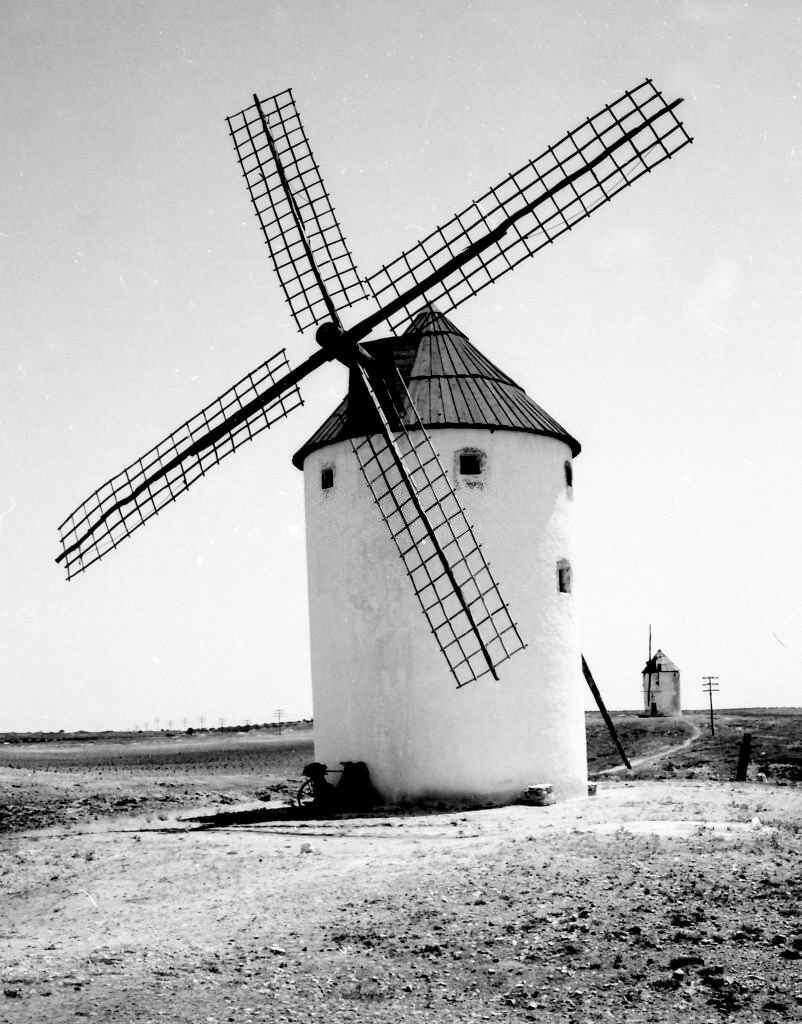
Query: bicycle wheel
x=306, y=794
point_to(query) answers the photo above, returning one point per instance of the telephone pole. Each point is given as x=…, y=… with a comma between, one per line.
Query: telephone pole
x=710, y=685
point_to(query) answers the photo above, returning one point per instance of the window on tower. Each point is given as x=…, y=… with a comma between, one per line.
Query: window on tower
x=469, y=467
x=327, y=478
x=564, y=576
x=569, y=474
x=470, y=463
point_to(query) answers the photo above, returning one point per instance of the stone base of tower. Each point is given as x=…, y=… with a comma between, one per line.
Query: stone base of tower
x=480, y=761
x=425, y=741
x=466, y=797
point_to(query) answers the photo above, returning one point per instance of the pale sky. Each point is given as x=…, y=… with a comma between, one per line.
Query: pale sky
x=663, y=333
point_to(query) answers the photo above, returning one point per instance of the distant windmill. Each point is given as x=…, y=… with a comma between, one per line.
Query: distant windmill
x=415, y=493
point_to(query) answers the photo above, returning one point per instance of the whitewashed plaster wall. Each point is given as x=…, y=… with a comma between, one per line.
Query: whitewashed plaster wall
x=664, y=693
x=382, y=690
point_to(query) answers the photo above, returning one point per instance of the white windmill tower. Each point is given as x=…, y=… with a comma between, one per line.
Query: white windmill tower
x=380, y=692
x=381, y=687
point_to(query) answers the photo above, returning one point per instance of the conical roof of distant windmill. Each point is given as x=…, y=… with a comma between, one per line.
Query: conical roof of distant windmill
x=451, y=384
x=659, y=662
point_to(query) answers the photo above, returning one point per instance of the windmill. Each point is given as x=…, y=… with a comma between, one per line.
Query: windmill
x=450, y=577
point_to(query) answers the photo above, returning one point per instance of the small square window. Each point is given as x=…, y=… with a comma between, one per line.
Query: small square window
x=327, y=477
x=470, y=464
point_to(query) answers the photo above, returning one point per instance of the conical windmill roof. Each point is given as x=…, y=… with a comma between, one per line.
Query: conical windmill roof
x=452, y=385
x=660, y=662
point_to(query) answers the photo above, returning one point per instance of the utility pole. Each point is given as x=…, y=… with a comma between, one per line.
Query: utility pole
x=278, y=713
x=710, y=685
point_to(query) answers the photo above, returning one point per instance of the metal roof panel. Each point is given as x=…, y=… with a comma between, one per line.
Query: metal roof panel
x=451, y=383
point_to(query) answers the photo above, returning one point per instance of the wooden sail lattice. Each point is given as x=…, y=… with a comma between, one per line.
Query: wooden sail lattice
x=545, y=198
x=129, y=499
x=294, y=210
x=511, y=222
x=445, y=564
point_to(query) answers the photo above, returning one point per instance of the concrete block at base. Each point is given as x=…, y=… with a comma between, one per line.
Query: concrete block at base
x=540, y=795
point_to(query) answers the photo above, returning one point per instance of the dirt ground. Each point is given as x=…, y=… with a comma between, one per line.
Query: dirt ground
x=653, y=901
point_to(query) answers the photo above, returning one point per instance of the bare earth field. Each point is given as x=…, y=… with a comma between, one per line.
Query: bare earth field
x=674, y=894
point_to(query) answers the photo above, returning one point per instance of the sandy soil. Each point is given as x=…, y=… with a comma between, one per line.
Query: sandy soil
x=652, y=902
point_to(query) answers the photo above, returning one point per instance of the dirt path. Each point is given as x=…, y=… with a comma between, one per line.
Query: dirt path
x=639, y=762
x=652, y=902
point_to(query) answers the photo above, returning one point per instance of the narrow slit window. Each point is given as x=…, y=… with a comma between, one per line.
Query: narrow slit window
x=564, y=576
x=569, y=474
x=327, y=478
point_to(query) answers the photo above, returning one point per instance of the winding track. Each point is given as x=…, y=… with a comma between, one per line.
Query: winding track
x=651, y=758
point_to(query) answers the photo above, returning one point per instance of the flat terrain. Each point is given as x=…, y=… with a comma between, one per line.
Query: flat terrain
x=66, y=781
x=674, y=894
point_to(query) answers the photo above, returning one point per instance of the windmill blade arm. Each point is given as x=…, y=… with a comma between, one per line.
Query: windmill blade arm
x=444, y=562
x=430, y=533
x=295, y=212
x=532, y=207
x=141, y=490
x=309, y=255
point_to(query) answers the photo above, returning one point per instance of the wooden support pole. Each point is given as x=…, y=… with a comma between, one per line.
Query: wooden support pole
x=604, y=713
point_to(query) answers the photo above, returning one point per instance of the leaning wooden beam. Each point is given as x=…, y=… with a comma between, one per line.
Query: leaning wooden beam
x=605, y=714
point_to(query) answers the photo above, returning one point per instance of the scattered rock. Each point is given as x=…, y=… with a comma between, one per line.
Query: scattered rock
x=539, y=795
x=685, y=961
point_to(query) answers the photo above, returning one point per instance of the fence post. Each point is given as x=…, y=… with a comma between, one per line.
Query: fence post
x=743, y=757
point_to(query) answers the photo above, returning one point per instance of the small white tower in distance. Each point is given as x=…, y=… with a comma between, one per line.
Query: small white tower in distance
x=382, y=690
x=661, y=693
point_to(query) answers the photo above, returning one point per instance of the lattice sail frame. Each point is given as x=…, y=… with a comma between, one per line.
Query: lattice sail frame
x=579, y=156
x=264, y=161
x=475, y=633
x=129, y=499
x=317, y=273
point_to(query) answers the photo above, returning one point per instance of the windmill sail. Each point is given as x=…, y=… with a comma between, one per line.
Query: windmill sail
x=446, y=566
x=129, y=499
x=526, y=211
x=296, y=215
x=530, y=208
